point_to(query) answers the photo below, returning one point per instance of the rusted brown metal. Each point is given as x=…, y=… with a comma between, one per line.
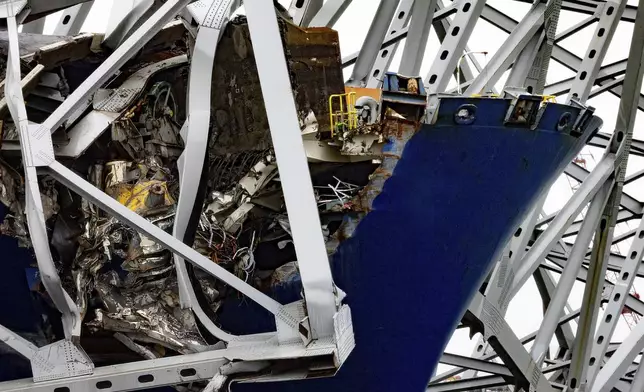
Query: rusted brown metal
x=397, y=133
x=239, y=115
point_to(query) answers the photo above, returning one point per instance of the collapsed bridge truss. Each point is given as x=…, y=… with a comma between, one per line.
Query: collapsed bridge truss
x=572, y=246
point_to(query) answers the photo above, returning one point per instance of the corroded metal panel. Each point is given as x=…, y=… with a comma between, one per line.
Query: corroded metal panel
x=240, y=122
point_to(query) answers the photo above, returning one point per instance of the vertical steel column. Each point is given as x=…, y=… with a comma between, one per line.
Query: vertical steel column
x=508, y=52
x=385, y=55
x=373, y=40
x=37, y=150
x=195, y=135
x=414, y=51
x=569, y=275
x=303, y=11
x=619, y=362
x=586, y=74
x=301, y=207
x=330, y=12
x=72, y=19
x=622, y=137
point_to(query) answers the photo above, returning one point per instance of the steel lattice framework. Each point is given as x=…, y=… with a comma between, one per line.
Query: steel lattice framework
x=589, y=358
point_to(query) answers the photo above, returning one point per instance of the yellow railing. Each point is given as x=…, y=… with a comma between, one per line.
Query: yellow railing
x=342, y=112
x=485, y=96
x=549, y=98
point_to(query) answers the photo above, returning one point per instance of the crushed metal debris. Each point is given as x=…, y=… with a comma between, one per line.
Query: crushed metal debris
x=123, y=282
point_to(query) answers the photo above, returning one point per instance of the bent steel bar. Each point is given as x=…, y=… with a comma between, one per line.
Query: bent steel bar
x=37, y=150
x=113, y=63
x=407, y=237
x=21, y=345
x=137, y=222
x=295, y=178
x=195, y=135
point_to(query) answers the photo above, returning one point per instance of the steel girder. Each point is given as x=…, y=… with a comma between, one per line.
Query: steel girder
x=574, y=261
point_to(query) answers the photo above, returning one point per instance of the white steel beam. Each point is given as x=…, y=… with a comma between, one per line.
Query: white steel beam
x=114, y=62
x=569, y=275
x=559, y=54
x=508, y=52
x=563, y=332
x=34, y=27
x=472, y=384
x=130, y=22
x=638, y=380
x=303, y=11
x=37, y=150
x=414, y=51
x=137, y=222
x=133, y=376
x=550, y=236
x=634, y=177
x=72, y=19
x=496, y=330
x=452, y=47
x=392, y=39
x=628, y=202
x=330, y=13
x=444, y=25
x=19, y=344
x=195, y=135
x=371, y=45
x=621, y=142
x=475, y=364
x=590, y=7
x=570, y=31
x=491, y=354
x=619, y=362
x=531, y=66
x=622, y=216
x=385, y=55
x=295, y=178
x=586, y=74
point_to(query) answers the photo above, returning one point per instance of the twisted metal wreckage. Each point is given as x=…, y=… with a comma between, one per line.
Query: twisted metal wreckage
x=133, y=143
x=235, y=145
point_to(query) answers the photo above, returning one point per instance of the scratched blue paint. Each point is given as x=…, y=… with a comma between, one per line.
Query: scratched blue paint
x=413, y=262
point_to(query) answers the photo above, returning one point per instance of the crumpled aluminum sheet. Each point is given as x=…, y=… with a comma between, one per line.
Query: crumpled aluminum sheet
x=8, y=184
x=151, y=312
x=284, y=273
x=12, y=196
